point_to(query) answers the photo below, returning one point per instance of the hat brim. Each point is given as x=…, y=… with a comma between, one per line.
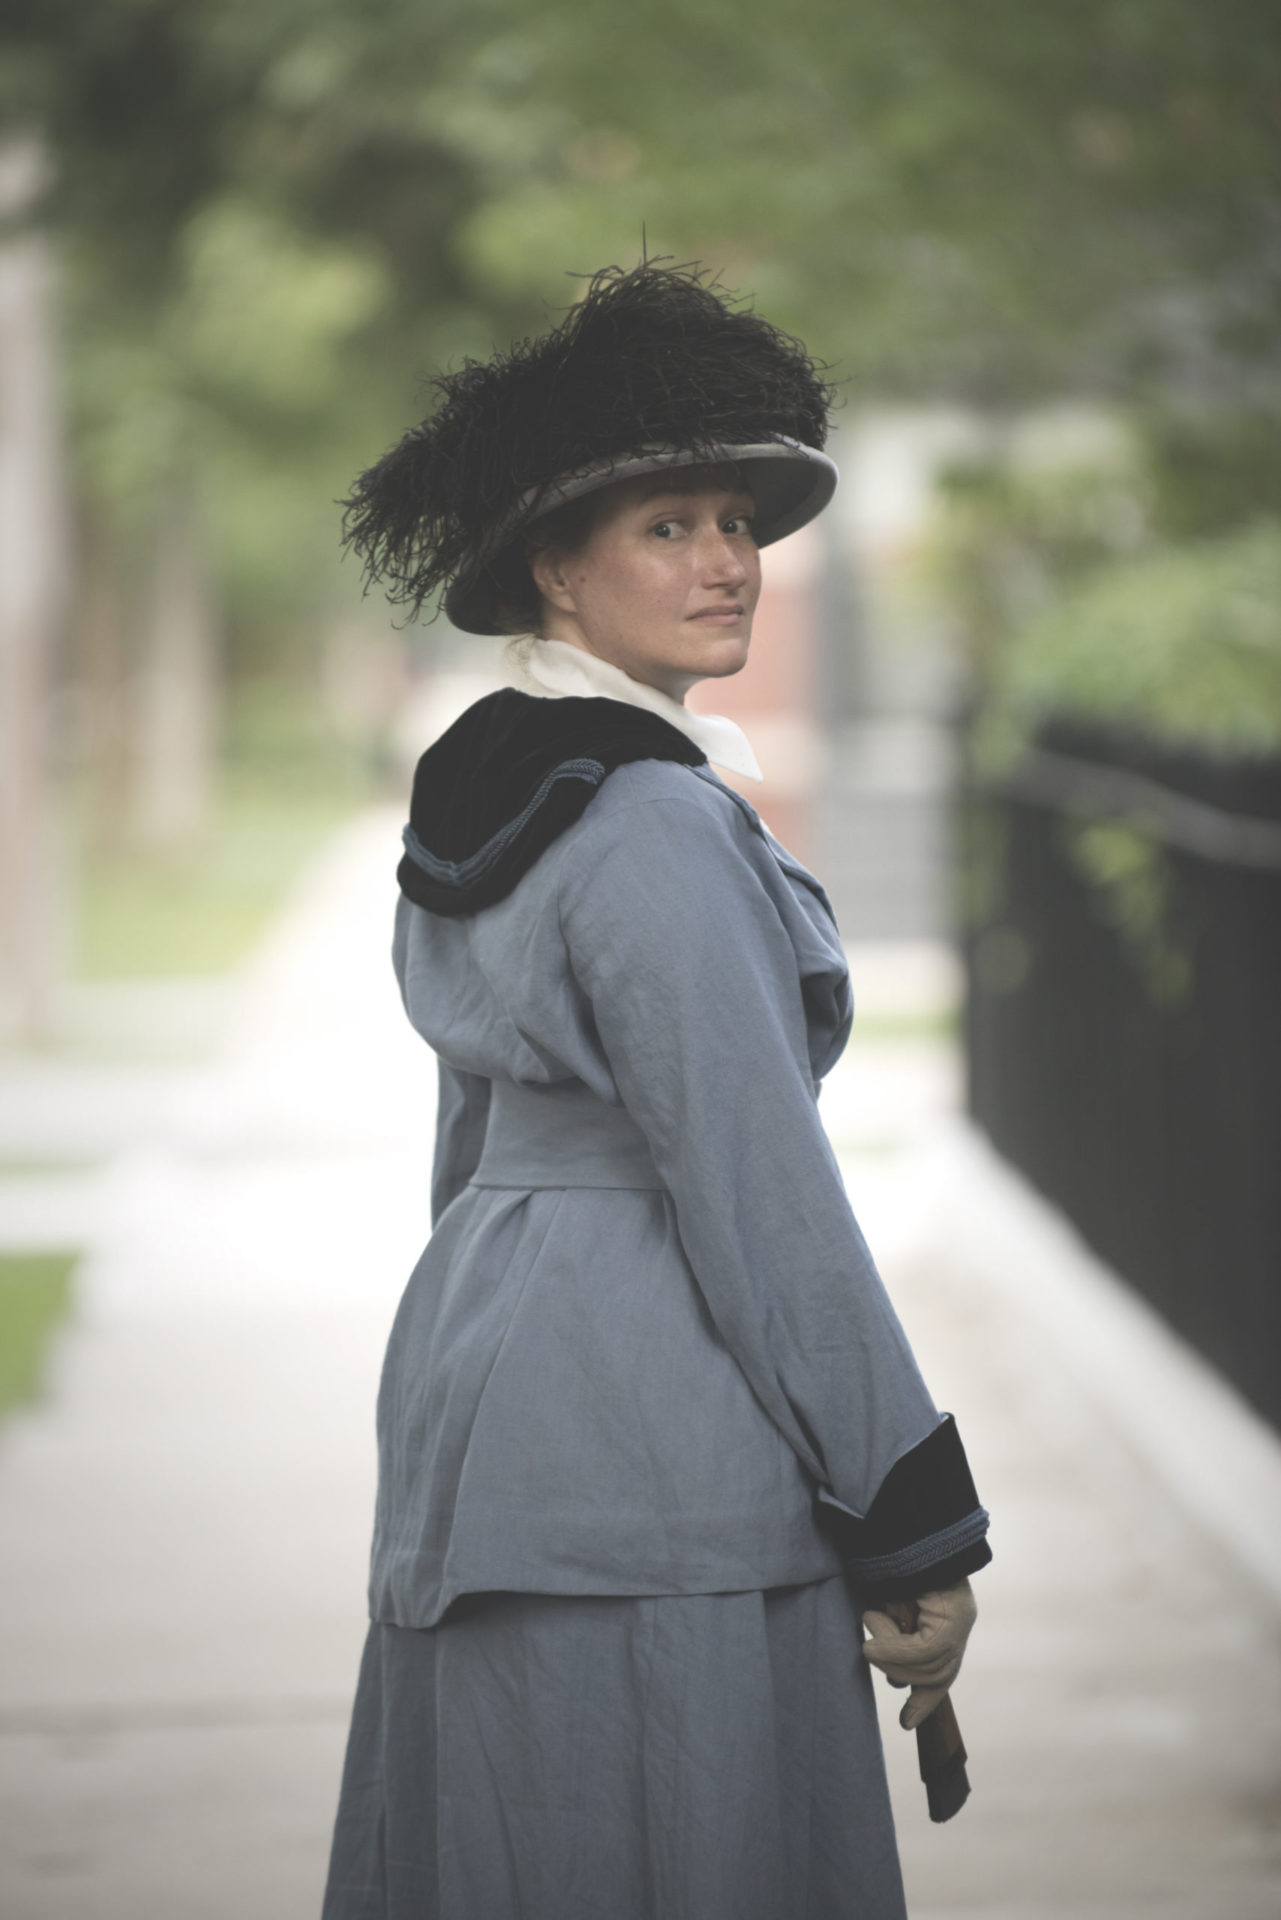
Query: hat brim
x=791, y=484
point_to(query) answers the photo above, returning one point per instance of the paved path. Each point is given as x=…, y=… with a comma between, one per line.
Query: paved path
x=185, y=1517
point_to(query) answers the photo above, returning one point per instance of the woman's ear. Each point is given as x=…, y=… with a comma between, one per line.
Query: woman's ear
x=547, y=564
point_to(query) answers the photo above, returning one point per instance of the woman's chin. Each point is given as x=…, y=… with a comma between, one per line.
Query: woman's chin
x=720, y=654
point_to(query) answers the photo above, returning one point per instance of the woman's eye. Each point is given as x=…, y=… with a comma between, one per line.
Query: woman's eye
x=664, y=527
x=738, y=523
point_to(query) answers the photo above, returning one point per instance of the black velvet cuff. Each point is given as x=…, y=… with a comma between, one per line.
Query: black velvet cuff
x=924, y=1530
x=931, y=1579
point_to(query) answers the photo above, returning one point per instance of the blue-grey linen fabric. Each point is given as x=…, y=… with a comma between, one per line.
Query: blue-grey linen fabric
x=646, y=1328
x=687, y=1757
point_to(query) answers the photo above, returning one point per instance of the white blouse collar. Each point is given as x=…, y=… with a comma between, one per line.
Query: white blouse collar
x=558, y=667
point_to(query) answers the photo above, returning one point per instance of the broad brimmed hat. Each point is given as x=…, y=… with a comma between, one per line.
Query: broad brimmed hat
x=652, y=369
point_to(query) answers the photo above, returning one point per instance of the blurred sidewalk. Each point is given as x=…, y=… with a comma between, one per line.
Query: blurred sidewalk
x=186, y=1515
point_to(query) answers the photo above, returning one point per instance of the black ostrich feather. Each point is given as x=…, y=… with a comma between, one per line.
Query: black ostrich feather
x=651, y=356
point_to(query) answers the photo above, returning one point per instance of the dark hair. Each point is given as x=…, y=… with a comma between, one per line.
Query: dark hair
x=567, y=528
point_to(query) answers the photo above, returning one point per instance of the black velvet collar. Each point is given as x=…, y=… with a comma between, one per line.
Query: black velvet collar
x=510, y=775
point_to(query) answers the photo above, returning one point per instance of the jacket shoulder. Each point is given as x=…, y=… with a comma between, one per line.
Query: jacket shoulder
x=644, y=783
x=718, y=819
x=658, y=844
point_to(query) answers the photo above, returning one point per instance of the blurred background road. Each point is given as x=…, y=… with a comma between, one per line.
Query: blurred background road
x=1017, y=697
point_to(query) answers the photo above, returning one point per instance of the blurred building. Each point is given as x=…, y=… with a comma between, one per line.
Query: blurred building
x=887, y=679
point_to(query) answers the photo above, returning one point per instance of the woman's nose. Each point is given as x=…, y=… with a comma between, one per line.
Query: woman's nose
x=725, y=561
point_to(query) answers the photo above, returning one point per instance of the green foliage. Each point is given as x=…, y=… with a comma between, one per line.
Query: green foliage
x=1073, y=607
x=277, y=215
x=35, y=1294
x=1210, y=470
x=997, y=200
x=1128, y=574
x=1133, y=887
x=1181, y=644
x=1015, y=532
x=255, y=215
x=262, y=313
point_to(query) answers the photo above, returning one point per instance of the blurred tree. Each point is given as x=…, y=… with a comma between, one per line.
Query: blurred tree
x=32, y=596
x=1183, y=645
x=1021, y=526
x=254, y=212
x=1209, y=471
x=275, y=214
x=996, y=200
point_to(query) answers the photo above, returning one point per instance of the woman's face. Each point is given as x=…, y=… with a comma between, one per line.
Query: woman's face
x=665, y=584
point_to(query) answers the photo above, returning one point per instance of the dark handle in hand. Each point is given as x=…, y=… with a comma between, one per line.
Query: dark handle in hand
x=940, y=1750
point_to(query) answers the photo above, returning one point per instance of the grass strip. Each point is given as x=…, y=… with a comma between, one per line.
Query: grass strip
x=35, y=1295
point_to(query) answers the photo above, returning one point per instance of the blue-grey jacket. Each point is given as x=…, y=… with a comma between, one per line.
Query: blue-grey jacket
x=646, y=1349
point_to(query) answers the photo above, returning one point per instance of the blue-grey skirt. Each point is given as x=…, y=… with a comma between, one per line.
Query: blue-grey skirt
x=691, y=1757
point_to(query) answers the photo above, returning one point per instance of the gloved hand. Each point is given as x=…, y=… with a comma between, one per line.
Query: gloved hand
x=928, y=1659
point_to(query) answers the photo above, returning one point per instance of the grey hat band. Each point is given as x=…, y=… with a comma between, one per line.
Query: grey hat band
x=791, y=483
x=802, y=465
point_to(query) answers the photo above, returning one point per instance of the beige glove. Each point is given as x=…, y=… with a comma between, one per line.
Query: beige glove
x=929, y=1659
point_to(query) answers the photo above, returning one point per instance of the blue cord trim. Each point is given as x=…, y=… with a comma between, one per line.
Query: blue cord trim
x=923, y=1554
x=459, y=872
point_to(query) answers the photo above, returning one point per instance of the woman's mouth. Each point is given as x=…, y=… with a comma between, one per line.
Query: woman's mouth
x=718, y=616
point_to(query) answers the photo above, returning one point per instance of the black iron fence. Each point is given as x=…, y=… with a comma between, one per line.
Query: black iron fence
x=1123, y=1020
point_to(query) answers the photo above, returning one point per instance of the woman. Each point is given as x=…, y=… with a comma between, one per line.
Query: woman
x=651, y=1437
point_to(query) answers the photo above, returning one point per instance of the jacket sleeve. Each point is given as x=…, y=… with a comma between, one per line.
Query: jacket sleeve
x=462, y=1115
x=694, y=989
